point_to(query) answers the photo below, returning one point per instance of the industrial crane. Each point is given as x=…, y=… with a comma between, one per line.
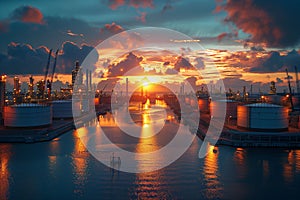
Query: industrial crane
x=290, y=89
x=46, y=73
x=52, y=75
x=297, y=80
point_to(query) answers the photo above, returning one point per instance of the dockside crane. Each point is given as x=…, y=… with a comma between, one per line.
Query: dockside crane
x=290, y=89
x=53, y=71
x=297, y=80
x=46, y=74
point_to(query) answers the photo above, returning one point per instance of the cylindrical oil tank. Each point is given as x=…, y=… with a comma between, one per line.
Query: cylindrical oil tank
x=263, y=117
x=217, y=108
x=203, y=104
x=62, y=109
x=27, y=115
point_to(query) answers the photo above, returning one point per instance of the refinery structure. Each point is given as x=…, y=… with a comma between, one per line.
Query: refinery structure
x=261, y=119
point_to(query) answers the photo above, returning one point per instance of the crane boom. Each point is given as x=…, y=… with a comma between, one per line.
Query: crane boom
x=46, y=72
x=53, y=71
x=290, y=89
x=297, y=80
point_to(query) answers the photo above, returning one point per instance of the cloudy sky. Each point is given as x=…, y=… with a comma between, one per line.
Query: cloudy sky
x=252, y=41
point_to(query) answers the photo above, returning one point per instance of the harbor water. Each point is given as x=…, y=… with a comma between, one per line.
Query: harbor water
x=64, y=169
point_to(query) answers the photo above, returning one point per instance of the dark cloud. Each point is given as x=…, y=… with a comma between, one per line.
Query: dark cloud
x=275, y=62
x=257, y=48
x=272, y=22
x=24, y=59
x=28, y=14
x=130, y=62
x=182, y=63
x=53, y=33
x=237, y=84
x=71, y=52
x=50, y=31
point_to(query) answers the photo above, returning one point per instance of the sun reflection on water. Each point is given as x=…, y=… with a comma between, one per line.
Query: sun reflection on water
x=4, y=170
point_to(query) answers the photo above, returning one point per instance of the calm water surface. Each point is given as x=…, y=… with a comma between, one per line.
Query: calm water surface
x=63, y=169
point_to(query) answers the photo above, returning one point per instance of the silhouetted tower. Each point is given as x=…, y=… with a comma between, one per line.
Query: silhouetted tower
x=272, y=88
x=77, y=72
x=30, y=86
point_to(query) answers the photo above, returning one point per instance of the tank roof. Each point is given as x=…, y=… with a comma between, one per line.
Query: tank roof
x=23, y=105
x=265, y=105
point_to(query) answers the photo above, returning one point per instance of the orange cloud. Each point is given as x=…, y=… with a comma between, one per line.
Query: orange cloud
x=141, y=3
x=114, y=4
x=28, y=14
x=112, y=28
x=252, y=19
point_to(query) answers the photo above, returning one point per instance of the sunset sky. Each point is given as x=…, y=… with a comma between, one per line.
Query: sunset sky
x=250, y=41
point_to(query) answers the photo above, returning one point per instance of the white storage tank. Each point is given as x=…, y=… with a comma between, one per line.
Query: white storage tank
x=27, y=115
x=62, y=109
x=217, y=108
x=262, y=117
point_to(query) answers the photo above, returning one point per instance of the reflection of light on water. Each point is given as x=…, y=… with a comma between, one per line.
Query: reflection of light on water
x=4, y=172
x=239, y=159
x=54, y=148
x=52, y=165
x=288, y=167
x=107, y=120
x=79, y=162
x=150, y=186
x=210, y=170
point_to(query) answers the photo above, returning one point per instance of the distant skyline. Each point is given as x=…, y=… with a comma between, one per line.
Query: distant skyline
x=252, y=41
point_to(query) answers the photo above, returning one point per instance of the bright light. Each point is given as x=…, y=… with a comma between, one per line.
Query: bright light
x=145, y=84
